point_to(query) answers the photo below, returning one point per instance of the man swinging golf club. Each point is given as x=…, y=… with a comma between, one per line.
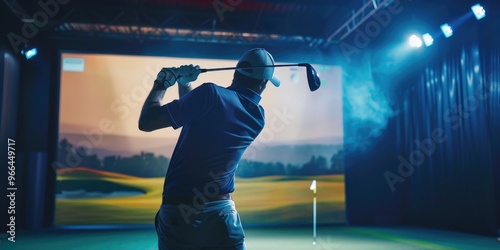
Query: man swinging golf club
x=218, y=124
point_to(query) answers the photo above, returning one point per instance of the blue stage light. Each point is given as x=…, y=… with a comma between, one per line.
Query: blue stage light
x=447, y=30
x=428, y=40
x=415, y=41
x=29, y=53
x=478, y=11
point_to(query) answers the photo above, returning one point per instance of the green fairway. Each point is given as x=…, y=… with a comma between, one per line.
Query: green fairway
x=264, y=200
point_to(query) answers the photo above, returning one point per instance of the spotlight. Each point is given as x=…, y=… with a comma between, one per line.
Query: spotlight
x=478, y=11
x=415, y=41
x=447, y=30
x=428, y=40
x=29, y=53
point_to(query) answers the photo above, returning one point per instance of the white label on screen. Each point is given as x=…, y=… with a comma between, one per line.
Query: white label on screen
x=73, y=64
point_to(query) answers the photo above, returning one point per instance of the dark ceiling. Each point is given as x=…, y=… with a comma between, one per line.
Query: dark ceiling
x=225, y=21
x=266, y=16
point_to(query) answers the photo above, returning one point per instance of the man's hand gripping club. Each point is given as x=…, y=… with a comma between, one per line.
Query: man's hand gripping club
x=184, y=75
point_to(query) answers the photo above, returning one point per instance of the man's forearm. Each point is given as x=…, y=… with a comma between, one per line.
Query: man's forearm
x=155, y=96
x=184, y=90
x=152, y=116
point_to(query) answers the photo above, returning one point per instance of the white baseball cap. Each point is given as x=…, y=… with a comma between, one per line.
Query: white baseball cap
x=258, y=57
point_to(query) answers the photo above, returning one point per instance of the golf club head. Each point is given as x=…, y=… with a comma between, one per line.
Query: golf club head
x=312, y=77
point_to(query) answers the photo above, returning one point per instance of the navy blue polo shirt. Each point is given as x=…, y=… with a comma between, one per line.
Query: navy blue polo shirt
x=218, y=124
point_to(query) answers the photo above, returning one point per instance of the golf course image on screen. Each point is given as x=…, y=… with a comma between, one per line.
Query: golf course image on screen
x=111, y=173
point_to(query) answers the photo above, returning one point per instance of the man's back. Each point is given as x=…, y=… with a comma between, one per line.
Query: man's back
x=218, y=124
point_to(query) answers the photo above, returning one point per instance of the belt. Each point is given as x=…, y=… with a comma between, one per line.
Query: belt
x=192, y=200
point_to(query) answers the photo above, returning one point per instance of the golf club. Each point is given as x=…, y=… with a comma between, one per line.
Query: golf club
x=312, y=76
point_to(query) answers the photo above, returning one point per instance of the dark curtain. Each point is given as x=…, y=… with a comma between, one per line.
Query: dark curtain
x=449, y=142
x=494, y=102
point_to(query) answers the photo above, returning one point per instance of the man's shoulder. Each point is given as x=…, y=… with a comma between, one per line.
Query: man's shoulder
x=209, y=86
x=212, y=87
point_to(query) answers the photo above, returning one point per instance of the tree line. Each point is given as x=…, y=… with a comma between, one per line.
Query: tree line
x=150, y=165
x=141, y=165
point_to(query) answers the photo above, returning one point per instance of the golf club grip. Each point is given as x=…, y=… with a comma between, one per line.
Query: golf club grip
x=216, y=69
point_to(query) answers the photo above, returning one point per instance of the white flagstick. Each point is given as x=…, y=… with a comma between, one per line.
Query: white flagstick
x=313, y=188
